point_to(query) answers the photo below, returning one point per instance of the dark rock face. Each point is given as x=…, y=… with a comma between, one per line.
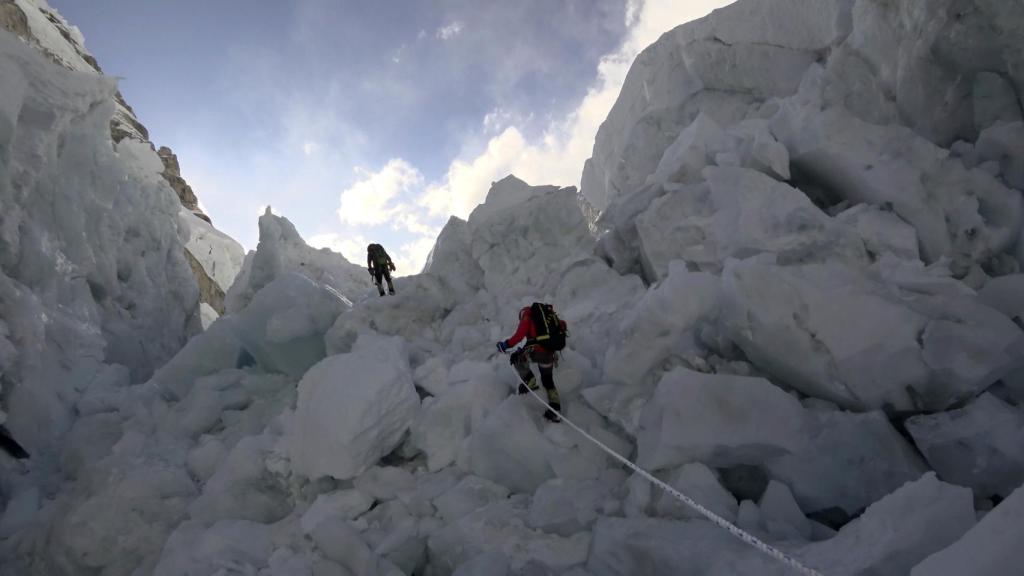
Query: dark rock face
x=172, y=173
x=209, y=292
x=13, y=19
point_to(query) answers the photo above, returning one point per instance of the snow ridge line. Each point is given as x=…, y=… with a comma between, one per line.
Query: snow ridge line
x=714, y=518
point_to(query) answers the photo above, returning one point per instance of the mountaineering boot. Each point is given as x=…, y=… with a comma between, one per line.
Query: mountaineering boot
x=380, y=290
x=554, y=402
x=391, y=291
x=532, y=383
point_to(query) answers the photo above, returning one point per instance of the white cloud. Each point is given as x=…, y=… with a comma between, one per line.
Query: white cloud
x=450, y=30
x=412, y=256
x=371, y=200
x=309, y=148
x=557, y=157
x=353, y=248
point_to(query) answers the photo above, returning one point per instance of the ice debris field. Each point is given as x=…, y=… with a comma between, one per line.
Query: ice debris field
x=800, y=306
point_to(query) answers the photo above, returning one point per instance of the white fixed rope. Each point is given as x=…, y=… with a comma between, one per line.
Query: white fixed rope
x=714, y=518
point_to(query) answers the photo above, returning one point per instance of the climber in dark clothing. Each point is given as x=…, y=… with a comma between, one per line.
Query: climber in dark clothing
x=545, y=358
x=379, y=265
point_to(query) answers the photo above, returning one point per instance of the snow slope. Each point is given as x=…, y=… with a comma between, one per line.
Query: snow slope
x=784, y=316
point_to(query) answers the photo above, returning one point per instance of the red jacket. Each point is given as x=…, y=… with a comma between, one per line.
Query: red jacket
x=525, y=330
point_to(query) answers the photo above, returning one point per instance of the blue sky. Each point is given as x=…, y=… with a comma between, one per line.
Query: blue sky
x=366, y=120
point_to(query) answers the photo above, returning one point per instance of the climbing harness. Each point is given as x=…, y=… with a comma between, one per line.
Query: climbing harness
x=714, y=518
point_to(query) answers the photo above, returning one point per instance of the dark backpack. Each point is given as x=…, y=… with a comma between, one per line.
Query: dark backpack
x=551, y=330
x=377, y=253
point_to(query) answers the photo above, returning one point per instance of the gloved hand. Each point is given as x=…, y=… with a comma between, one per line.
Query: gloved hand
x=370, y=270
x=502, y=346
x=392, y=266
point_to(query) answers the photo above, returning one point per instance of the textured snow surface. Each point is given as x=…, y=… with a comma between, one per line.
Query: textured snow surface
x=219, y=254
x=802, y=308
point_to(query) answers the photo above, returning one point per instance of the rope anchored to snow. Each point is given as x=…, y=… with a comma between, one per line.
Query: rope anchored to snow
x=714, y=518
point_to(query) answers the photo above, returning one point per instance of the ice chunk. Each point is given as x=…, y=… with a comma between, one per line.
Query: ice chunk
x=203, y=460
x=1004, y=143
x=992, y=548
x=566, y=507
x=384, y=482
x=338, y=541
x=978, y=446
x=780, y=514
x=699, y=483
x=343, y=504
x=898, y=531
x=19, y=511
x=219, y=254
x=500, y=526
x=509, y=449
x=740, y=213
x=214, y=350
x=352, y=409
x=655, y=547
x=195, y=549
x=445, y=421
x=691, y=152
x=1005, y=294
x=720, y=420
x=282, y=250
x=283, y=327
x=995, y=101
x=883, y=232
x=468, y=495
x=792, y=322
x=653, y=332
x=243, y=486
x=846, y=461
x=852, y=160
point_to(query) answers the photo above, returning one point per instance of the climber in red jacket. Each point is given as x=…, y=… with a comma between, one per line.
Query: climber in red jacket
x=542, y=345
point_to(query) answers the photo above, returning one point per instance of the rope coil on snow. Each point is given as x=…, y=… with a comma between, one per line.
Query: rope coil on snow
x=714, y=518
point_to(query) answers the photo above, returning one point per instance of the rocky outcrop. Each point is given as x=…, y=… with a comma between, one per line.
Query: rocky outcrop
x=47, y=31
x=172, y=173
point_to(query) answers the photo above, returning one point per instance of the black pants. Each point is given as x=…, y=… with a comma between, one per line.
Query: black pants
x=545, y=362
x=383, y=272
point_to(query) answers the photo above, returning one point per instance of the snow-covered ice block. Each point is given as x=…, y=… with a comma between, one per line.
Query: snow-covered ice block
x=740, y=213
x=780, y=515
x=658, y=547
x=282, y=250
x=565, y=507
x=883, y=232
x=339, y=541
x=243, y=486
x=835, y=332
x=1005, y=144
x=352, y=409
x=508, y=448
x=979, y=445
x=691, y=152
x=214, y=350
x=446, y=420
x=501, y=526
x=1006, y=294
x=195, y=548
x=343, y=504
x=471, y=493
x=283, y=327
x=720, y=420
x=853, y=160
x=994, y=547
x=652, y=333
x=846, y=460
x=384, y=482
x=898, y=531
x=219, y=254
x=994, y=101
x=699, y=483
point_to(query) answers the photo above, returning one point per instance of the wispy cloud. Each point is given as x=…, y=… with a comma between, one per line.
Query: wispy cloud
x=558, y=154
x=450, y=30
x=372, y=200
